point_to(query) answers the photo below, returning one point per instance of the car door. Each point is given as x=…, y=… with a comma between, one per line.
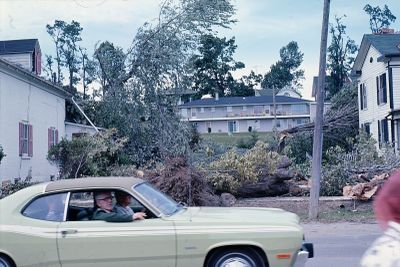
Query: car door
x=145, y=243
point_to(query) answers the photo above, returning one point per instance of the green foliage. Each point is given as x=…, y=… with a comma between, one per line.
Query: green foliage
x=248, y=142
x=379, y=18
x=285, y=72
x=299, y=146
x=11, y=188
x=66, y=37
x=195, y=138
x=340, y=56
x=87, y=155
x=2, y=154
x=213, y=67
x=231, y=170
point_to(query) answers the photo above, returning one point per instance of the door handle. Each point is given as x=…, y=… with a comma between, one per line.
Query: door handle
x=68, y=232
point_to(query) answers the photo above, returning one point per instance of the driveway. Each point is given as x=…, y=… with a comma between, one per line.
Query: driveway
x=339, y=244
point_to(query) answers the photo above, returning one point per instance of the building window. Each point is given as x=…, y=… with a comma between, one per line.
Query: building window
x=201, y=110
x=363, y=96
x=299, y=109
x=25, y=139
x=244, y=108
x=366, y=128
x=381, y=89
x=258, y=110
x=212, y=109
x=52, y=134
x=232, y=127
x=193, y=111
x=383, y=133
x=229, y=109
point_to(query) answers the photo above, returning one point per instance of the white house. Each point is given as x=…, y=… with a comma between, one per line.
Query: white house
x=377, y=69
x=32, y=114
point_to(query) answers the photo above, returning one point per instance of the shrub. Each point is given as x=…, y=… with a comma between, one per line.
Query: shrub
x=87, y=155
x=10, y=188
x=248, y=142
x=182, y=182
x=232, y=169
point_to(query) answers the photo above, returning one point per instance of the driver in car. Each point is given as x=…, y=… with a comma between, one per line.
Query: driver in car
x=104, y=210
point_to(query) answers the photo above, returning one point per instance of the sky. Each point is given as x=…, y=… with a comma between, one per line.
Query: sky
x=263, y=27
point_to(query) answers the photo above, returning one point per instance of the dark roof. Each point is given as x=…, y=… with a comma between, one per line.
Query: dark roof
x=17, y=46
x=388, y=45
x=249, y=100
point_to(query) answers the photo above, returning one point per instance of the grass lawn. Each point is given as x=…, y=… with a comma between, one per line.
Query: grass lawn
x=231, y=140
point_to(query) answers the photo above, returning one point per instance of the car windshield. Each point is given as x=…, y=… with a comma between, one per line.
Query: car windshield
x=159, y=200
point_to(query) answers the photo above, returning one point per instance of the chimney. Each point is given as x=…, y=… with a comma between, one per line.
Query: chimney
x=216, y=96
x=386, y=31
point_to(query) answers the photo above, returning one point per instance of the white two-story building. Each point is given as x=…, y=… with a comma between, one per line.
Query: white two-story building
x=377, y=68
x=32, y=114
x=247, y=114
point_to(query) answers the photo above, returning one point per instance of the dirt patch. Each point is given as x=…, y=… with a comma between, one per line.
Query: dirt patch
x=331, y=209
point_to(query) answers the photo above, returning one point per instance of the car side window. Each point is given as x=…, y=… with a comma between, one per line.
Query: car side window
x=48, y=208
x=81, y=206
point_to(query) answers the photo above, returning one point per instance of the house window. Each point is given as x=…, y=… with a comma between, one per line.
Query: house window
x=193, y=111
x=383, y=133
x=52, y=134
x=299, y=109
x=229, y=109
x=244, y=108
x=278, y=123
x=258, y=110
x=232, y=127
x=25, y=139
x=201, y=110
x=212, y=109
x=363, y=96
x=381, y=89
x=366, y=127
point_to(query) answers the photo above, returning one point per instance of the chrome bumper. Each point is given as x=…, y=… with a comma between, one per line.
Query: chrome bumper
x=306, y=252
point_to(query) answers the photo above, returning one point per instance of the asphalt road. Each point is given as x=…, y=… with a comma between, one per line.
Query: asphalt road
x=339, y=244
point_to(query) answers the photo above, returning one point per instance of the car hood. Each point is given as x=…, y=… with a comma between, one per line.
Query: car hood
x=265, y=216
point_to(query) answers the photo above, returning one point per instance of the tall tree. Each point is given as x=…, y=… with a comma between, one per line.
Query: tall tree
x=65, y=37
x=340, y=56
x=245, y=86
x=285, y=72
x=56, y=32
x=88, y=70
x=213, y=67
x=70, y=51
x=157, y=62
x=111, y=65
x=379, y=18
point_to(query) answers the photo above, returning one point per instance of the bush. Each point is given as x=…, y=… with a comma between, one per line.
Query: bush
x=248, y=142
x=183, y=183
x=232, y=169
x=87, y=155
x=10, y=188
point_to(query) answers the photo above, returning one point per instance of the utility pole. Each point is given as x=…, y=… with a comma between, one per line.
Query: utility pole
x=319, y=118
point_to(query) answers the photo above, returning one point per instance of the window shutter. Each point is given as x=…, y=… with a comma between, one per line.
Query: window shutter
x=384, y=88
x=56, y=141
x=361, y=97
x=21, y=136
x=49, y=142
x=30, y=138
x=377, y=89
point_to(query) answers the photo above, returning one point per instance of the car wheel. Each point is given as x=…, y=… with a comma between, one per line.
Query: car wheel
x=4, y=262
x=236, y=258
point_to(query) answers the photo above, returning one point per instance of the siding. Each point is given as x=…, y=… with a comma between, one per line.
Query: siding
x=22, y=101
x=23, y=60
x=373, y=112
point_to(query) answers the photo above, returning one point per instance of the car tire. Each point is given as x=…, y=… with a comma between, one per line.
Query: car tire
x=4, y=262
x=236, y=257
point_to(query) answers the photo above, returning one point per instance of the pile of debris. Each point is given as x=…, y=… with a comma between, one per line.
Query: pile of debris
x=365, y=190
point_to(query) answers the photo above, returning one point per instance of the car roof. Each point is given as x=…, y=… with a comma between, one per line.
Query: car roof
x=93, y=183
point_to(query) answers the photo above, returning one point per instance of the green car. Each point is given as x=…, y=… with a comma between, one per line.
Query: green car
x=51, y=224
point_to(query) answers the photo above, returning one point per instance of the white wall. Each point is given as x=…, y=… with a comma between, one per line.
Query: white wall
x=22, y=60
x=21, y=100
x=72, y=128
x=373, y=112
